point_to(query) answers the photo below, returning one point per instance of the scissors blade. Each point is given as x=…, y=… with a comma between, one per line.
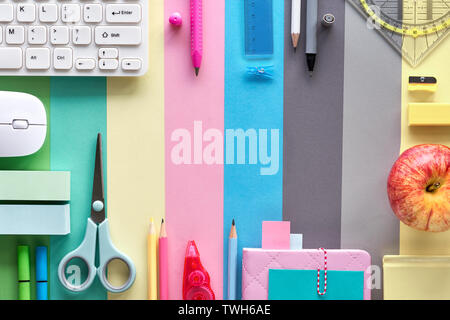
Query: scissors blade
x=98, y=200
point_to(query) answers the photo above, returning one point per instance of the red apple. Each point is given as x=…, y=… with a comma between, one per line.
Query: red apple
x=419, y=187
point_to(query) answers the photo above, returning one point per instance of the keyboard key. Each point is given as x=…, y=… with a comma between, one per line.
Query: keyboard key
x=70, y=13
x=108, y=64
x=108, y=53
x=85, y=64
x=6, y=12
x=81, y=35
x=87, y=37
x=123, y=13
x=37, y=58
x=62, y=58
x=105, y=35
x=93, y=13
x=131, y=64
x=37, y=35
x=26, y=12
x=59, y=35
x=10, y=58
x=15, y=35
x=48, y=12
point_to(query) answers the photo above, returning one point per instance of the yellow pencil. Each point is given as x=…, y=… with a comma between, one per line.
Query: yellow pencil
x=152, y=263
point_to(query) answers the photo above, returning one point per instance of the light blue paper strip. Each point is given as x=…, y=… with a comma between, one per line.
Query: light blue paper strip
x=252, y=192
x=78, y=113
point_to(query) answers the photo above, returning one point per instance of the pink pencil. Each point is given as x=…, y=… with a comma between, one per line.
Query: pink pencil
x=163, y=264
x=196, y=34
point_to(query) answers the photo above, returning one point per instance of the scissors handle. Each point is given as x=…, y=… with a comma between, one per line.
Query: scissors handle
x=108, y=252
x=85, y=252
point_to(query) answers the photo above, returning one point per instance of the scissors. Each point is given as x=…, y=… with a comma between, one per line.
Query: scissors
x=87, y=249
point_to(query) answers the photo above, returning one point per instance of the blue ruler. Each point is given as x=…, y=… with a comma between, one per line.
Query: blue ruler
x=258, y=27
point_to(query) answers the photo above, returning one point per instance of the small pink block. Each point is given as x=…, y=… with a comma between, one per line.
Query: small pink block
x=276, y=235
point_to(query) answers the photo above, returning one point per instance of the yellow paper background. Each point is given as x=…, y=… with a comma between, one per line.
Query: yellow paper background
x=416, y=277
x=136, y=158
x=437, y=64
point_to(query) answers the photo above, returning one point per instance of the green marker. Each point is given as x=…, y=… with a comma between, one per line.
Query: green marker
x=23, y=272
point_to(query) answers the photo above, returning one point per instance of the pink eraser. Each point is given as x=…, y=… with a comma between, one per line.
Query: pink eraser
x=276, y=234
x=175, y=19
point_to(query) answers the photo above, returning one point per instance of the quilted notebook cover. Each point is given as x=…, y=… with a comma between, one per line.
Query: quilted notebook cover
x=257, y=262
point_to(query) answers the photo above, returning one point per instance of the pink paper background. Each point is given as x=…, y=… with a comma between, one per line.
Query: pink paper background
x=194, y=193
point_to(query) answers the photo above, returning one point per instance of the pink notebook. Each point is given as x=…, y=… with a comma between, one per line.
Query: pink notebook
x=257, y=262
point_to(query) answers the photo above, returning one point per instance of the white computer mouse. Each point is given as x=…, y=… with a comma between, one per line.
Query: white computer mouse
x=23, y=124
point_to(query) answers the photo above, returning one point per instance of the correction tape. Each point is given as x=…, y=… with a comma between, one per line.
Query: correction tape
x=196, y=281
x=261, y=72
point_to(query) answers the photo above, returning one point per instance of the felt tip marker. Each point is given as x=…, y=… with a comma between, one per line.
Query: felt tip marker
x=41, y=273
x=196, y=34
x=23, y=272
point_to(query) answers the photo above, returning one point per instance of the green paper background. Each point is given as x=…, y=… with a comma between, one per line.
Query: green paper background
x=39, y=87
x=78, y=114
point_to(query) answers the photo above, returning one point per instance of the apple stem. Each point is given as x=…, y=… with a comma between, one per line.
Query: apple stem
x=433, y=187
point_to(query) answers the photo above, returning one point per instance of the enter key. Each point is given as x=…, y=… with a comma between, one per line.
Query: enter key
x=123, y=13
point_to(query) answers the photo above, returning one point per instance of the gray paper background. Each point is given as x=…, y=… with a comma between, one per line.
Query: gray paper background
x=341, y=136
x=372, y=109
x=313, y=110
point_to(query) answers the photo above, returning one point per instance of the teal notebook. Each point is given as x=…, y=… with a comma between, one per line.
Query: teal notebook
x=302, y=285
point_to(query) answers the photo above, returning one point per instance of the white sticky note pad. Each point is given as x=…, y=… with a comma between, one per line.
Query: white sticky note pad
x=296, y=241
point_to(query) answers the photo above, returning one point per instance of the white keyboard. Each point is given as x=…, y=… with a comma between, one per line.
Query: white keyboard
x=73, y=37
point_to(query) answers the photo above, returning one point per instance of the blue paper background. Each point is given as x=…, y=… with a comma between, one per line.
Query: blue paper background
x=249, y=197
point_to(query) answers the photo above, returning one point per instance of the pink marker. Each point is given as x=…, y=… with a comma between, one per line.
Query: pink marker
x=163, y=264
x=196, y=34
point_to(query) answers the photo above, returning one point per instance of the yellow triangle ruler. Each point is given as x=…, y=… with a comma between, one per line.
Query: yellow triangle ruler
x=413, y=27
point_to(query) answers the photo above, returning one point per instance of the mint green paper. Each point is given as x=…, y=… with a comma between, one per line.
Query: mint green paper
x=78, y=114
x=34, y=185
x=39, y=87
x=302, y=285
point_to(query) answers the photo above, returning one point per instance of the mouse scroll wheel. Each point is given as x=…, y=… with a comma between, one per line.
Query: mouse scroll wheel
x=20, y=124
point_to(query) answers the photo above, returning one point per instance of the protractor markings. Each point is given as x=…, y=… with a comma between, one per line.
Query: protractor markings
x=413, y=27
x=429, y=9
x=400, y=10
